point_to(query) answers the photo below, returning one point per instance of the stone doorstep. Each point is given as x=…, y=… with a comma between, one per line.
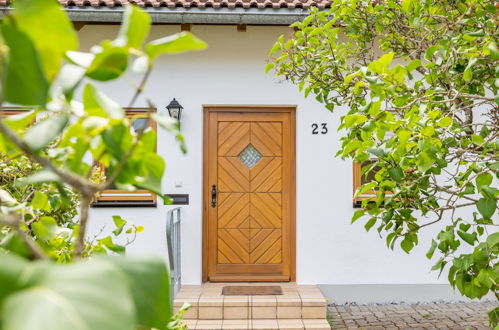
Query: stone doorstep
x=297, y=302
x=259, y=324
x=219, y=312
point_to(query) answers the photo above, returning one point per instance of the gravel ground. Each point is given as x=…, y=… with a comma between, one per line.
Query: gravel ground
x=411, y=316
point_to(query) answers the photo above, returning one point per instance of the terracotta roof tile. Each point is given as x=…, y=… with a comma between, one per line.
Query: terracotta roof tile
x=195, y=3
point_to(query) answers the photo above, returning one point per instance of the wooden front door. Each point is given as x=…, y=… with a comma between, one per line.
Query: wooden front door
x=249, y=184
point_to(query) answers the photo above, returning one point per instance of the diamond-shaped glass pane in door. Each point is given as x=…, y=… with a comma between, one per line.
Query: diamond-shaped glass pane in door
x=250, y=156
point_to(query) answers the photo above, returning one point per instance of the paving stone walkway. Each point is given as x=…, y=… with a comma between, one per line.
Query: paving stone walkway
x=405, y=316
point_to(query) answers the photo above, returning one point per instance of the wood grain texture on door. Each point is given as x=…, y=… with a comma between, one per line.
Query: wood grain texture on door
x=249, y=156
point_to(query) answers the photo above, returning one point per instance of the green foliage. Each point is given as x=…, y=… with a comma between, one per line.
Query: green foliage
x=49, y=215
x=104, y=293
x=177, y=321
x=48, y=168
x=100, y=129
x=25, y=70
x=175, y=44
x=419, y=80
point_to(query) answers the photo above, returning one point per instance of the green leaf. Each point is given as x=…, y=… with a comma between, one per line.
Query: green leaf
x=117, y=139
x=48, y=26
x=493, y=166
x=21, y=120
x=468, y=238
x=432, y=50
x=414, y=64
x=118, y=221
x=494, y=318
x=150, y=286
x=117, y=231
x=45, y=131
x=485, y=278
x=172, y=126
x=23, y=69
x=177, y=43
x=396, y=173
x=6, y=198
x=40, y=201
x=494, y=52
x=80, y=58
x=11, y=270
x=404, y=136
x=154, y=166
x=357, y=215
x=82, y=296
x=428, y=131
x=276, y=47
x=407, y=244
x=45, y=228
x=42, y=176
x=97, y=103
x=367, y=187
x=486, y=207
x=109, y=244
x=445, y=122
x=110, y=63
x=483, y=180
x=431, y=251
x=493, y=239
x=269, y=67
x=468, y=75
x=166, y=122
x=377, y=152
x=425, y=162
x=370, y=223
x=134, y=29
x=70, y=77
x=477, y=33
x=380, y=66
x=355, y=119
x=15, y=245
x=390, y=239
x=407, y=5
x=141, y=64
x=477, y=139
x=386, y=59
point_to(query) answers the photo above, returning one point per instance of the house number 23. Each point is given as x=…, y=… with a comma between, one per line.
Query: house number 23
x=323, y=128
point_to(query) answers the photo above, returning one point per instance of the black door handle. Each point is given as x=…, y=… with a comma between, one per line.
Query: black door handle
x=214, y=195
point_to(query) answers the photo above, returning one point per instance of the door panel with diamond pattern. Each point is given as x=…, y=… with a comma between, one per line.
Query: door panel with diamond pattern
x=250, y=227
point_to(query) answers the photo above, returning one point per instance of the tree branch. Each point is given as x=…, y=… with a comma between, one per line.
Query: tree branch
x=14, y=222
x=80, y=240
x=141, y=87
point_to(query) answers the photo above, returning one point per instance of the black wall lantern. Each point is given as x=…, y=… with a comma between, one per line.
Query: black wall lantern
x=174, y=109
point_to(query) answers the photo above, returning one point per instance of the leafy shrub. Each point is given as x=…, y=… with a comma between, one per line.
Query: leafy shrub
x=46, y=175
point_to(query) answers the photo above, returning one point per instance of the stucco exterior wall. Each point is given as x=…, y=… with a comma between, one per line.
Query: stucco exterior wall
x=329, y=249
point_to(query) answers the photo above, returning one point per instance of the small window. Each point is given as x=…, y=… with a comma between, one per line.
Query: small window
x=116, y=197
x=359, y=180
x=10, y=111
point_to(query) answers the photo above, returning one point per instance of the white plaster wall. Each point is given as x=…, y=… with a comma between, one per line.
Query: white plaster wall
x=329, y=249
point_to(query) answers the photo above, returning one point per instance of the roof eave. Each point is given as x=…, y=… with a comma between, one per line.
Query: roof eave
x=192, y=15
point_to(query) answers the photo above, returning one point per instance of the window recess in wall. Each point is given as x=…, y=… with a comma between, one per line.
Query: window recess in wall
x=10, y=111
x=121, y=198
x=364, y=177
x=16, y=113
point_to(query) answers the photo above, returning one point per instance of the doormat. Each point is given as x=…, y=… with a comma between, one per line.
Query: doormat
x=251, y=290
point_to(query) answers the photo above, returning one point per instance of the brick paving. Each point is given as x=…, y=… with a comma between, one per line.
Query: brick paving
x=405, y=316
